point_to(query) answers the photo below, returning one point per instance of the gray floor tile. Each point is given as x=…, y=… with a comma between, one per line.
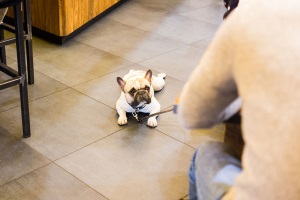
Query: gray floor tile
x=63, y=122
x=203, y=44
x=39, y=46
x=177, y=6
x=212, y=13
x=178, y=64
x=135, y=163
x=43, y=86
x=170, y=125
x=48, y=183
x=75, y=63
x=181, y=28
x=135, y=45
x=10, y=59
x=42, y=46
x=135, y=14
x=16, y=158
x=101, y=28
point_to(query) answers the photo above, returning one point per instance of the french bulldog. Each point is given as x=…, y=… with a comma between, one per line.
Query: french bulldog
x=138, y=94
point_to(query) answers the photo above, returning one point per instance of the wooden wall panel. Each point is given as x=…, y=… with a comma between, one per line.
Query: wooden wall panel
x=75, y=13
x=62, y=17
x=44, y=15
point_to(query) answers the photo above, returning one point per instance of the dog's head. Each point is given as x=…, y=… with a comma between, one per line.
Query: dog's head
x=137, y=90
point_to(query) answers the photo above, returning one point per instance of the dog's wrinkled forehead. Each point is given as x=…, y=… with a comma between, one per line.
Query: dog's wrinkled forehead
x=137, y=84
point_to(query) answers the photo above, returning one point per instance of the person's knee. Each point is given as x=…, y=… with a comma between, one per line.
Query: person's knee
x=208, y=148
x=214, y=154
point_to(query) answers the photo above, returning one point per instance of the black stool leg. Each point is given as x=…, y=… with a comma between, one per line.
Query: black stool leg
x=22, y=70
x=28, y=31
x=2, y=49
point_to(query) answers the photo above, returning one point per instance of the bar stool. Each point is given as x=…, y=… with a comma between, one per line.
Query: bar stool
x=17, y=77
x=27, y=36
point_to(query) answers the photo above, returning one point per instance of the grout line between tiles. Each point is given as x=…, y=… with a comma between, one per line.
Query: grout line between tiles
x=80, y=180
x=91, y=143
x=27, y=173
x=149, y=32
x=93, y=98
x=33, y=100
x=52, y=162
x=101, y=76
x=176, y=139
x=171, y=10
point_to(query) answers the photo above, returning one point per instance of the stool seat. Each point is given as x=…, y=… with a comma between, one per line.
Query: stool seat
x=8, y=3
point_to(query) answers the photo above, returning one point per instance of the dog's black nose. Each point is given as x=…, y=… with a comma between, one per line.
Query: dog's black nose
x=142, y=95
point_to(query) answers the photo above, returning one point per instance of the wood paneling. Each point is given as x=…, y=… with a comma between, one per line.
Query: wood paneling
x=75, y=13
x=62, y=17
x=45, y=15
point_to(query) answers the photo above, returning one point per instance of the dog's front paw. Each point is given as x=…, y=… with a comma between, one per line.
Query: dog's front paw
x=152, y=122
x=122, y=120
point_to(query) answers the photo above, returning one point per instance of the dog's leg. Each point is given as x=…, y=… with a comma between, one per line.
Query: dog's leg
x=122, y=114
x=152, y=122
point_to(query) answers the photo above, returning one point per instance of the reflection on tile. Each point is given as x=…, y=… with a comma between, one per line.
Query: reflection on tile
x=11, y=58
x=212, y=13
x=176, y=6
x=178, y=64
x=101, y=28
x=203, y=44
x=16, y=158
x=135, y=45
x=143, y=13
x=181, y=28
x=169, y=124
x=111, y=92
x=10, y=97
x=75, y=63
x=63, y=122
x=135, y=163
x=39, y=46
x=47, y=183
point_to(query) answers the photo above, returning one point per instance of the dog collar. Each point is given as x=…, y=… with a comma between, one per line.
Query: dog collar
x=137, y=110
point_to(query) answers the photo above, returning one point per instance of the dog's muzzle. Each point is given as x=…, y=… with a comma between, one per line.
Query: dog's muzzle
x=141, y=96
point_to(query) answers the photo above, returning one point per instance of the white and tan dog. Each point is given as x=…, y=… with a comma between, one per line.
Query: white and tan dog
x=138, y=95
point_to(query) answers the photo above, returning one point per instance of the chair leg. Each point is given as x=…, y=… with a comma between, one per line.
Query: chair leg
x=29, y=51
x=2, y=49
x=22, y=70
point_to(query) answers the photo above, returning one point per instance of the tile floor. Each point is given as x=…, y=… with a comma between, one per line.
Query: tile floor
x=77, y=151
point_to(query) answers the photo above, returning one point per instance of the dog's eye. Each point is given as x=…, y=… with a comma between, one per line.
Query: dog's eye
x=132, y=91
x=147, y=88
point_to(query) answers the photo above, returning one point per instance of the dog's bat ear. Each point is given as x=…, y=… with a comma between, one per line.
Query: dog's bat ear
x=148, y=75
x=121, y=83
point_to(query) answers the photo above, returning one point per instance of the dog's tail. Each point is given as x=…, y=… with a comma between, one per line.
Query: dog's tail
x=158, y=82
x=162, y=75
